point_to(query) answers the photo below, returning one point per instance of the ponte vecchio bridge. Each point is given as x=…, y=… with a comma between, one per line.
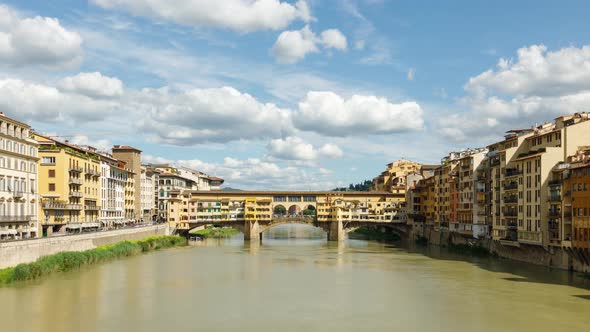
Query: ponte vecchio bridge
x=253, y=212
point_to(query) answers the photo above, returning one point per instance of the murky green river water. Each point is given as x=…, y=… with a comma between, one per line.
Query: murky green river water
x=303, y=284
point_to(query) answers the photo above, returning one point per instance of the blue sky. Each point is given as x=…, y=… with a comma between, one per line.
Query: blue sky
x=292, y=94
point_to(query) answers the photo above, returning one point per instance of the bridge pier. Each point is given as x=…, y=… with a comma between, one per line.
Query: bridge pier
x=336, y=231
x=252, y=231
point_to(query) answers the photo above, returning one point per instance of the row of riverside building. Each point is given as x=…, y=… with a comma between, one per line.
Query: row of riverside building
x=528, y=191
x=49, y=186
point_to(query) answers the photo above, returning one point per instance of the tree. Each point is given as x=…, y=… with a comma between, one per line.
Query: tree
x=363, y=186
x=280, y=210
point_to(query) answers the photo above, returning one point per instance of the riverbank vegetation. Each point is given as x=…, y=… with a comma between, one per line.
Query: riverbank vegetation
x=216, y=233
x=364, y=233
x=69, y=260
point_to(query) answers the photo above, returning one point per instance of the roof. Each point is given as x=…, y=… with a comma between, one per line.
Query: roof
x=125, y=147
x=22, y=124
x=302, y=193
x=214, y=178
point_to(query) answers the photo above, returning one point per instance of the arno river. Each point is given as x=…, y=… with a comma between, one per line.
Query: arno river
x=302, y=284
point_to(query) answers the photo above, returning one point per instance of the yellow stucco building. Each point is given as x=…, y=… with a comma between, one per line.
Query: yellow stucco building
x=69, y=186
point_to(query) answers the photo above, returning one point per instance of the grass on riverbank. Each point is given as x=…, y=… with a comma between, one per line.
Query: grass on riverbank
x=466, y=249
x=69, y=260
x=216, y=233
x=363, y=233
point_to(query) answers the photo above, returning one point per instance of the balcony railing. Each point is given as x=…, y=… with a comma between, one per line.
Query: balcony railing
x=76, y=194
x=511, y=186
x=18, y=194
x=61, y=206
x=91, y=207
x=76, y=169
x=93, y=172
x=16, y=218
x=75, y=181
x=510, y=200
x=512, y=172
x=554, y=198
x=555, y=182
x=510, y=214
x=512, y=225
x=554, y=214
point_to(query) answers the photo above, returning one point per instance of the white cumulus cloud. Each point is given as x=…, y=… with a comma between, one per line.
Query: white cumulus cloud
x=208, y=115
x=330, y=114
x=36, y=40
x=92, y=84
x=538, y=86
x=239, y=15
x=292, y=46
x=333, y=38
x=295, y=148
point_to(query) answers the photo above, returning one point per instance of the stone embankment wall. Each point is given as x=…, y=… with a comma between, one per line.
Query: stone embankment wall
x=554, y=257
x=26, y=251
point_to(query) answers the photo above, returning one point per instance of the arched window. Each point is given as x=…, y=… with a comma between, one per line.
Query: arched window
x=23, y=166
x=33, y=168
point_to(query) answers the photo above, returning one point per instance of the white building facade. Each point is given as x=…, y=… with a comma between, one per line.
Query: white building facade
x=18, y=181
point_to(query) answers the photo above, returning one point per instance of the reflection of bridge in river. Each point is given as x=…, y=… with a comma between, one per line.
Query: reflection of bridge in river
x=253, y=212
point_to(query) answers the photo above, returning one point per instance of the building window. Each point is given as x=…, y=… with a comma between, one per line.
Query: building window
x=51, y=173
x=52, y=187
x=48, y=160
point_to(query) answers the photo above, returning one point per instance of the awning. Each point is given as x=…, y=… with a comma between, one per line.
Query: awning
x=8, y=232
x=73, y=226
x=90, y=225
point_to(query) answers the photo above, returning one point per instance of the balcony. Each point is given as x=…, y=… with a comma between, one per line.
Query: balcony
x=91, y=208
x=555, y=182
x=512, y=225
x=61, y=206
x=18, y=194
x=554, y=198
x=511, y=214
x=93, y=172
x=77, y=181
x=511, y=186
x=76, y=194
x=511, y=200
x=76, y=169
x=554, y=214
x=16, y=218
x=510, y=172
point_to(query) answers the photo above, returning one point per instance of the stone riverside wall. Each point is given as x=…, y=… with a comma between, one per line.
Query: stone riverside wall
x=552, y=257
x=26, y=251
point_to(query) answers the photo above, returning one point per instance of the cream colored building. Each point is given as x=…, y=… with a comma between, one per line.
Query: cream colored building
x=149, y=183
x=520, y=173
x=114, y=180
x=18, y=181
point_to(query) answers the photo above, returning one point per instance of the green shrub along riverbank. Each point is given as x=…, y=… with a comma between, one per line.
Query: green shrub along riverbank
x=363, y=233
x=69, y=260
x=216, y=233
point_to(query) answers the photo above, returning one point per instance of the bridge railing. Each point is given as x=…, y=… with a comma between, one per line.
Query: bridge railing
x=304, y=218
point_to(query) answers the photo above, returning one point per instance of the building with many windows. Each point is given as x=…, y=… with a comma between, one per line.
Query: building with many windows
x=149, y=188
x=69, y=186
x=114, y=179
x=18, y=180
